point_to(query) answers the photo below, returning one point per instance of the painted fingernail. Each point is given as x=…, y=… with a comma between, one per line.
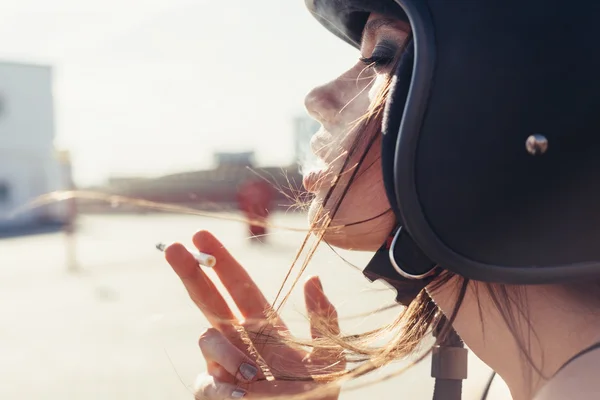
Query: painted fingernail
x=247, y=372
x=238, y=394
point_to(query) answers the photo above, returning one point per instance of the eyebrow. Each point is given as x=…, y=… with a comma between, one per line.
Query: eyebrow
x=373, y=25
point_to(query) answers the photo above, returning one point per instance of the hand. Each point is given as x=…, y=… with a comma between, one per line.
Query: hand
x=234, y=371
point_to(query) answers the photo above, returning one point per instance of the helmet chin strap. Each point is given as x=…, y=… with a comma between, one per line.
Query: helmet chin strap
x=400, y=263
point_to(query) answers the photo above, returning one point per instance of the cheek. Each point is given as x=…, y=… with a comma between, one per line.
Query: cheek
x=354, y=91
x=361, y=208
x=378, y=84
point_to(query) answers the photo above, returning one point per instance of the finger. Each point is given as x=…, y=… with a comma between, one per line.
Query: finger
x=219, y=373
x=323, y=315
x=244, y=291
x=208, y=388
x=217, y=348
x=200, y=288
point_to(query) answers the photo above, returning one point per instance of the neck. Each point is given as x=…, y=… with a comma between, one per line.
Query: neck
x=553, y=331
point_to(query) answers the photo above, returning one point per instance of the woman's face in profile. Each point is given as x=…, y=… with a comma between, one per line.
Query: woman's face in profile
x=338, y=105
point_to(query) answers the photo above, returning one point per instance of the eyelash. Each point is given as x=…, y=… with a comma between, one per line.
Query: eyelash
x=376, y=61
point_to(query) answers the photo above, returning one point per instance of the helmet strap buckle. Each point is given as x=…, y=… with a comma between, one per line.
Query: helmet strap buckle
x=382, y=267
x=408, y=259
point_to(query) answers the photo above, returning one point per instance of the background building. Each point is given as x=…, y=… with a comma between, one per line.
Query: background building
x=235, y=159
x=218, y=188
x=30, y=166
x=214, y=189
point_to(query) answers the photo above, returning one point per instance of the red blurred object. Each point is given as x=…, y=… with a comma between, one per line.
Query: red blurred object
x=254, y=199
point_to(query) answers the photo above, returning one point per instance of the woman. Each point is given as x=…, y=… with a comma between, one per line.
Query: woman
x=468, y=130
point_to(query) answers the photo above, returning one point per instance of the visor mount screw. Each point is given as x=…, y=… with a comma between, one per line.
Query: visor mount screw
x=536, y=144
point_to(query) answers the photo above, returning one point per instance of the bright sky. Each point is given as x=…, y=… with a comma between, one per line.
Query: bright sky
x=146, y=87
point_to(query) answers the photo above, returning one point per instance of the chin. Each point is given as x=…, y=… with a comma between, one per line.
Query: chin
x=367, y=236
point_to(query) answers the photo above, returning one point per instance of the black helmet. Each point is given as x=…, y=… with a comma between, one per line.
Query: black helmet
x=491, y=139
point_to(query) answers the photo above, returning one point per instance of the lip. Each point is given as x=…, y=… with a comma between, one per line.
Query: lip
x=313, y=180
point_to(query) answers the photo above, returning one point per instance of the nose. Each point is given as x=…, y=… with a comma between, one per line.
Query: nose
x=323, y=104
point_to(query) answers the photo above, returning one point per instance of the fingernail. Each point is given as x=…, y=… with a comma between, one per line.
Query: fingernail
x=238, y=394
x=247, y=371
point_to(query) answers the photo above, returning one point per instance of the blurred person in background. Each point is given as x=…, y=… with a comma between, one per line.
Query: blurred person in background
x=254, y=199
x=462, y=148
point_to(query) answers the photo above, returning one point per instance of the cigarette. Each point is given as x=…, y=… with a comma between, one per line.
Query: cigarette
x=204, y=259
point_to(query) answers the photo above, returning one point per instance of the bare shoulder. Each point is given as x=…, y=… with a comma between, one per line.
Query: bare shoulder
x=580, y=380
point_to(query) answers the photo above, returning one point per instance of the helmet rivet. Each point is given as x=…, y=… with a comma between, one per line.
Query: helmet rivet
x=536, y=144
